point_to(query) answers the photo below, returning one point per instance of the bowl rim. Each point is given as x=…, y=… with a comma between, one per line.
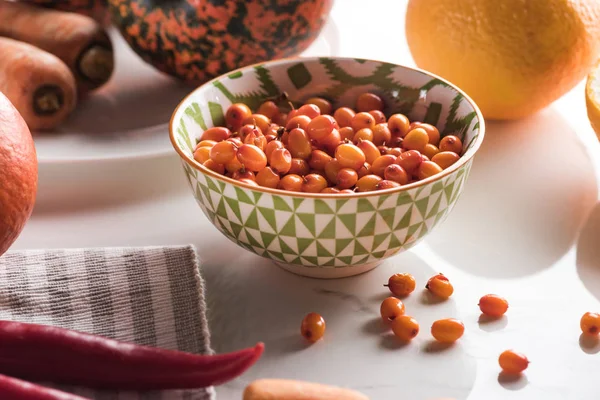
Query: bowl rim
x=404, y=188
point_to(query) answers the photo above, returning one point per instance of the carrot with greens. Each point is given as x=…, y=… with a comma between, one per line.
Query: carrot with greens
x=42, y=352
x=16, y=389
x=77, y=40
x=37, y=83
x=287, y=389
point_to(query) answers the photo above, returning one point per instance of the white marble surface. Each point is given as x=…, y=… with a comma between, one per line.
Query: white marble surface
x=527, y=227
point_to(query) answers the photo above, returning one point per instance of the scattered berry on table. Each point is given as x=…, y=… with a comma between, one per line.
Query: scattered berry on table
x=590, y=323
x=512, y=362
x=405, y=327
x=391, y=308
x=401, y=285
x=313, y=327
x=447, y=330
x=440, y=286
x=493, y=305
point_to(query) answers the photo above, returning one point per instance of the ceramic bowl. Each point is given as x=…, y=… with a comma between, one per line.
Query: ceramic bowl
x=335, y=235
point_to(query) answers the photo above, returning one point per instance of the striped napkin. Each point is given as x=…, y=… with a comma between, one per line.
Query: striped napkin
x=150, y=295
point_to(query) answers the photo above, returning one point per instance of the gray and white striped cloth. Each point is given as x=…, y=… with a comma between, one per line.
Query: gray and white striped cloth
x=148, y=295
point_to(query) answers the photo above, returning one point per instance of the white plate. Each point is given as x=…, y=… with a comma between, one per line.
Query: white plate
x=128, y=118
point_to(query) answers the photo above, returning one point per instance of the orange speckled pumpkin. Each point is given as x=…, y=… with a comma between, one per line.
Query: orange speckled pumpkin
x=96, y=9
x=197, y=40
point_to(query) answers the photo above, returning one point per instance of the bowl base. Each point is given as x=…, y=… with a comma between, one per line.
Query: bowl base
x=328, y=273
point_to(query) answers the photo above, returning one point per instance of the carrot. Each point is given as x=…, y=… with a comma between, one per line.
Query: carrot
x=77, y=40
x=97, y=9
x=284, y=389
x=37, y=83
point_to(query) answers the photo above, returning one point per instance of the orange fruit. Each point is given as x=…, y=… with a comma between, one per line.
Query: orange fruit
x=18, y=163
x=513, y=58
x=592, y=99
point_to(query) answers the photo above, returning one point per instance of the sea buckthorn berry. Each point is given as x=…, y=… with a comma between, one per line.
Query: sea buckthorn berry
x=202, y=154
x=391, y=308
x=243, y=174
x=281, y=161
x=368, y=183
x=223, y=152
x=447, y=330
x=363, y=134
x=347, y=191
x=424, y=158
x=318, y=160
x=314, y=183
x=291, y=183
x=399, y=125
x=427, y=169
x=262, y=121
x=280, y=119
x=385, y=184
x=430, y=150
x=320, y=127
x=249, y=129
x=217, y=133
x=257, y=139
x=248, y=182
x=299, y=144
x=416, y=139
x=380, y=164
x=252, y=157
x=331, y=170
x=313, y=327
x=512, y=362
x=364, y=170
x=268, y=178
x=213, y=166
x=445, y=158
x=396, y=173
x=235, y=115
x=369, y=149
x=299, y=121
x=451, y=143
x=432, y=132
x=396, y=141
x=344, y=116
x=590, y=323
x=206, y=143
x=410, y=161
x=368, y=102
x=405, y=327
x=269, y=109
x=332, y=141
x=235, y=140
x=363, y=120
x=379, y=116
x=299, y=167
x=323, y=104
x=346, y=133
x=350, y=156
x=395, y=151
x=272, y=146
x=310, y=110
x=346, y=178
x=493, y=305
x=273, y=130
x=440, y=286
x=293, y=113
x=401, y=285
x=233, y=165
x=270, y=138
x=381, y=134
x=330, y=190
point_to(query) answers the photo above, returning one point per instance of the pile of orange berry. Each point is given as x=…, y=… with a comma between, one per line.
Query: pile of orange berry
x=314, y=149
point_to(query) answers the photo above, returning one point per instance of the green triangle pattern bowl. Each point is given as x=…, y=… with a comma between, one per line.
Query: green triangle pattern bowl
x=328, y=235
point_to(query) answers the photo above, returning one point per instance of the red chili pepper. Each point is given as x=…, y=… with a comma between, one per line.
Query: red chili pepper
x=42, y=352
x=16, y=389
